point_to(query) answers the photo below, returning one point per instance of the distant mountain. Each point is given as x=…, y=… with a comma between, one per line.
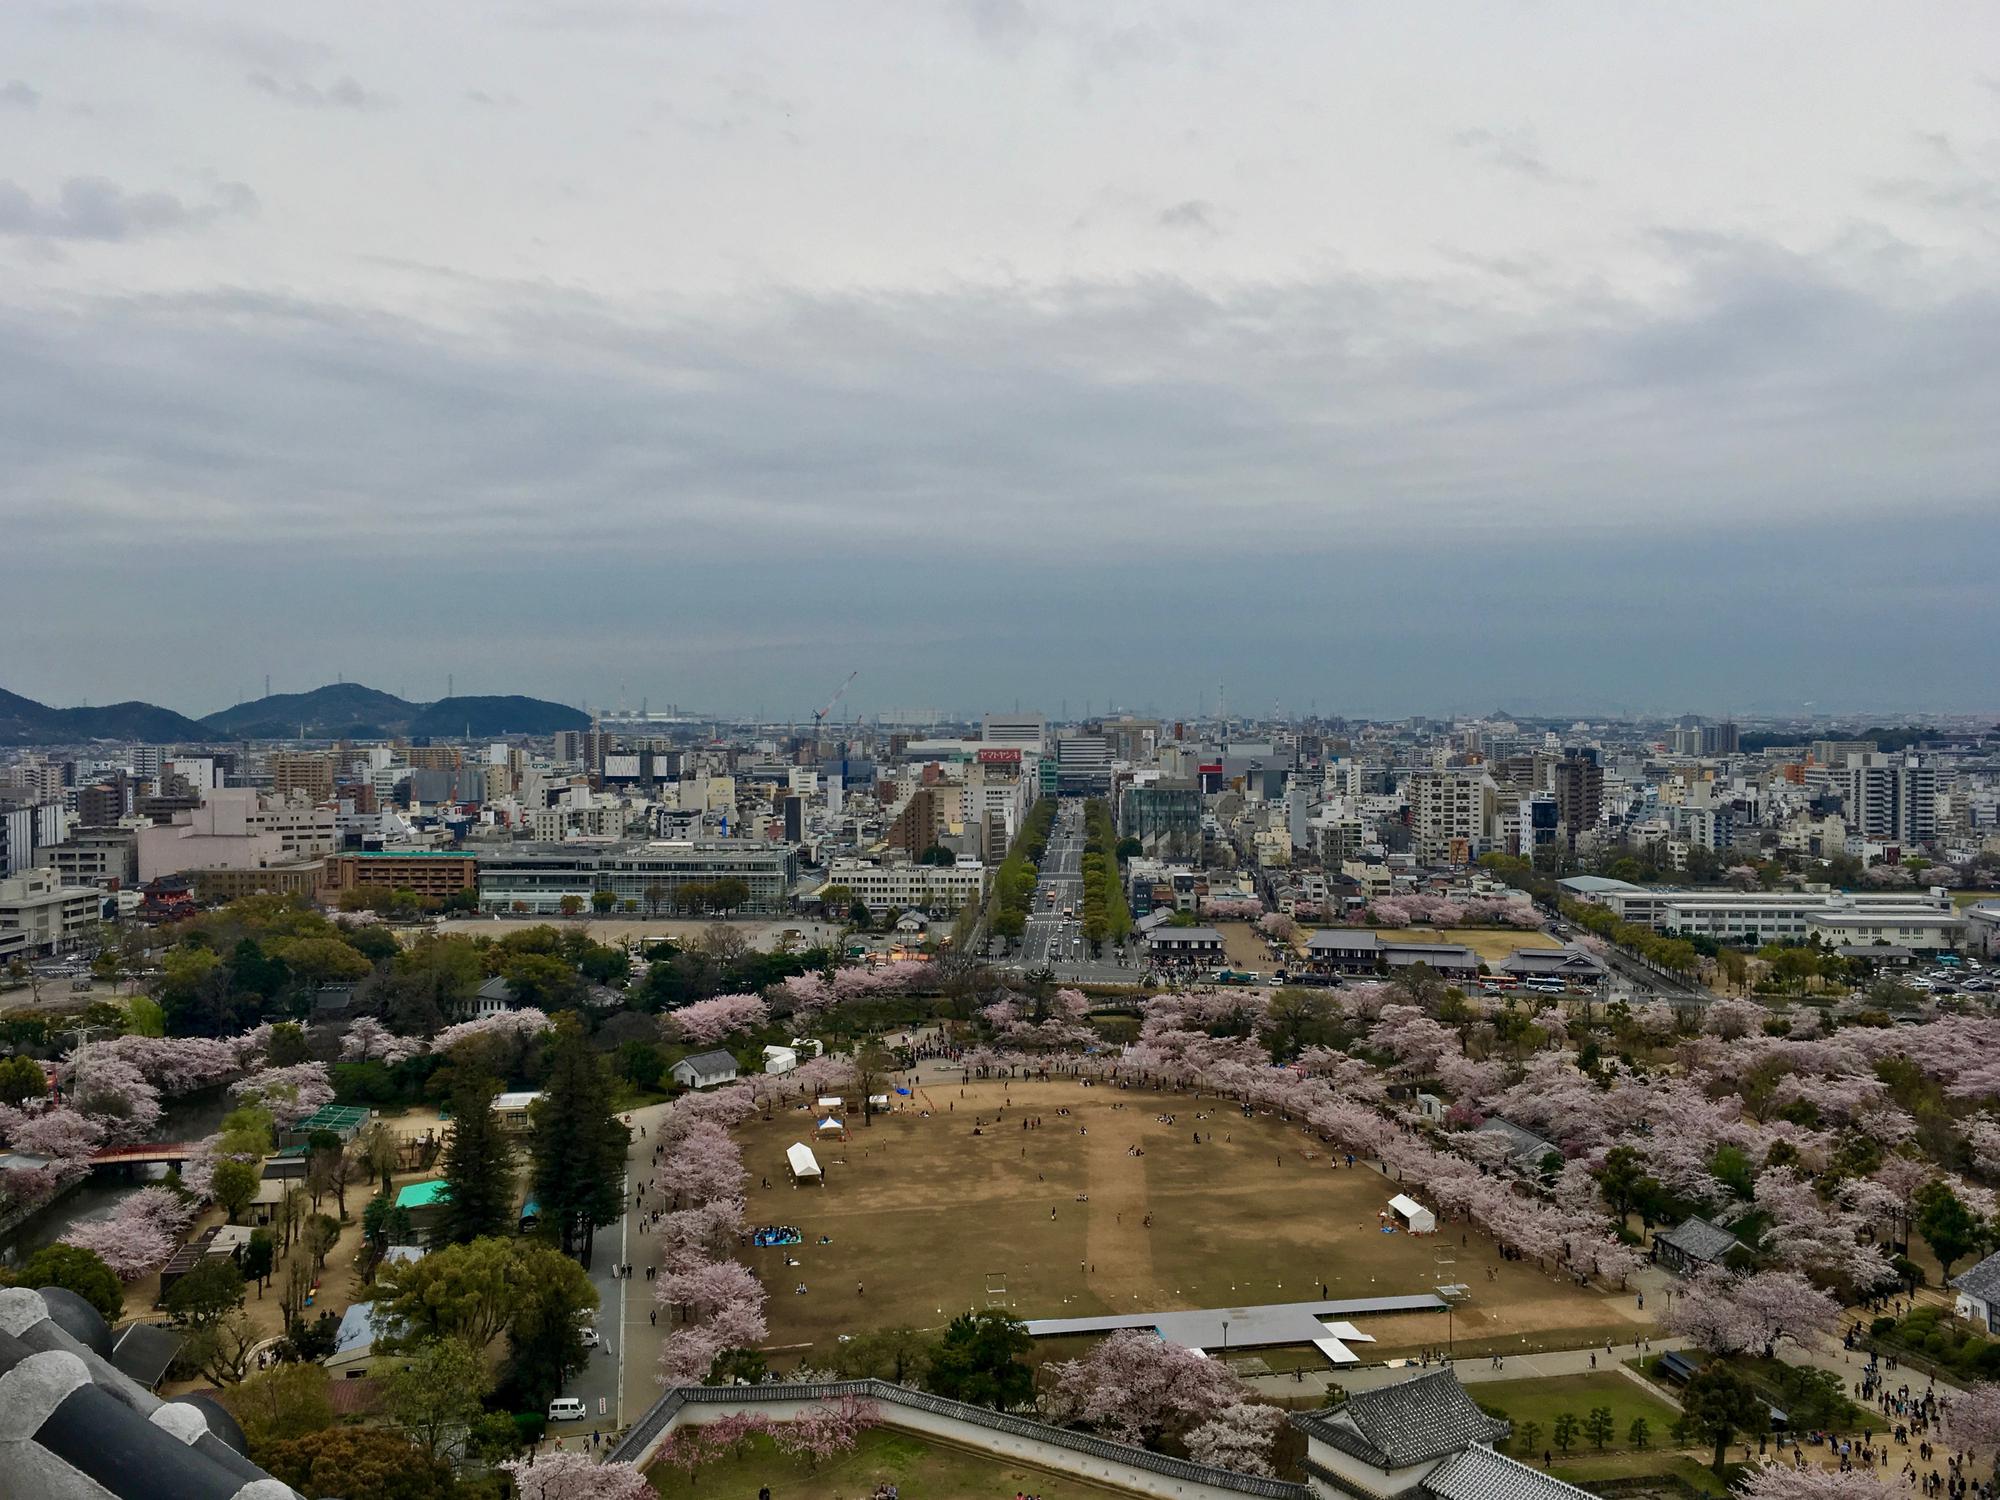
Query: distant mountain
x=473, y=717
x=340, y=710
x=23, y=721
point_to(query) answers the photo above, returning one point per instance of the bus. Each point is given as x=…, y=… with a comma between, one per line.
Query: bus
x=531, y=1215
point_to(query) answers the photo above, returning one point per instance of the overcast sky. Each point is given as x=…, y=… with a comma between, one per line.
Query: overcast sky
x=1377, y=358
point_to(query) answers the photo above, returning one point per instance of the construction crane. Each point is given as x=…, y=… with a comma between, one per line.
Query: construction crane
x=819, y=714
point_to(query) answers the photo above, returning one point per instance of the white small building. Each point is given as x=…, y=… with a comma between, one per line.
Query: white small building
x=1413, y=1215
x=780, y=1060
x=512, y=1108
x=704, y=1070
x=1979, y=1294
x=805, y=1166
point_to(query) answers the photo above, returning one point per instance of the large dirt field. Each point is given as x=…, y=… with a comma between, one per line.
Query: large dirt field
x=924, y=1216
x=758, y=932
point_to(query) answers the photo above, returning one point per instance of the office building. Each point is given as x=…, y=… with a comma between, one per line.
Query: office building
x=1578, y=783
x=1025, y=731
x=933, y=888
x=535, y=878
x=40, y=915
x=437, y=873
x=1449, y=815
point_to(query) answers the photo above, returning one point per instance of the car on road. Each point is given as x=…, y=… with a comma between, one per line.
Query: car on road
x=567, y=1409
x=589, y=1336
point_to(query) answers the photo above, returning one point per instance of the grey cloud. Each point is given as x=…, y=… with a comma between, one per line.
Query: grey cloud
x=95, y=208
x=18, y=95
x=259, y=46
x=505, y=99
x=1513, y=151
x=1193, y=213
x=342, y=93
x=1338, y=413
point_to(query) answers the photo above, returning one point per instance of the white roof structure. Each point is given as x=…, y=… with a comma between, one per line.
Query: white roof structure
x=829, y=1123
x=1420, y=1219
x=831, y=1101
x=804, y=1165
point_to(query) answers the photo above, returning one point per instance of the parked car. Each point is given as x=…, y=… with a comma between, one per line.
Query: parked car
x=567, y=1409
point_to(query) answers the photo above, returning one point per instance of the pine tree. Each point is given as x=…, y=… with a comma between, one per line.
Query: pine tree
x=577, y=1144
x=478, y=1166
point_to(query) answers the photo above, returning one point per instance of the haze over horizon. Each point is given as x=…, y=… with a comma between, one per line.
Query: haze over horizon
x=1401, y=361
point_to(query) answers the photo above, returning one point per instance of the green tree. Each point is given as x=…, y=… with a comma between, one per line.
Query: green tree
x=247, y=1131
x=979, y=1360
x=478, y=1166
x=654, y=894
x=571, y=905
x=576, y=1144
x=1639, y=1434
x=288, y=1045
x=281, y=1403
x=235, y=1184
x=260, y=1257
x=460, y=1291
x=349, y=1461
x=1600, y=1426
x=77, y=1270
x=205, y=1295
x=602, y=901
x=21, y=1079
x=318, y=1236
x=543, y=980
x=1951, y=1229
x=436, y=1394
x=1529, y=1435
x=552, y=1299
x=1720, y=1403
x=1566, y=1430
x=898, y=1354
x=321, y=960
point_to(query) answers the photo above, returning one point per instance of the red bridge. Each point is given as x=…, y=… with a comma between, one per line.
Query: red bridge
x=171, y=1152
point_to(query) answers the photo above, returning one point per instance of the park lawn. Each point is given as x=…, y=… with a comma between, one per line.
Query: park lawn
x=1542, y=1401
x=925, y=1220
x=1587, y=1469
x=1491, y=943
x=917, y=1466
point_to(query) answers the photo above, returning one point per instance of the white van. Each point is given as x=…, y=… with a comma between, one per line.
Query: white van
x=566, y=1409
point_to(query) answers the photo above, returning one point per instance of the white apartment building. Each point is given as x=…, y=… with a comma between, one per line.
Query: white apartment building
x=1450, y=815
x=932, y=888
x=1761, y=916
x=1889, y=798
x=39, y=914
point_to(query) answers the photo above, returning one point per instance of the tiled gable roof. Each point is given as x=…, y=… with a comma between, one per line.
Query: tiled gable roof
x=1482, y=1474
x=1399, y=1425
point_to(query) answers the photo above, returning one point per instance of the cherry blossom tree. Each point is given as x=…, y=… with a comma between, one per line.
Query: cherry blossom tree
x=289, y=1093
x=172, y=1064
x=1135, y=1386
x=826, y=1429
x=1727, y=1314
x=688, y=1354
x=1982, y=1137
x=1240, y=1438
x=517, y=1026
x=576, y=1476
x=141, y=1233
x=1412, y=1038
x=1732, y=1018
x=65, y=1136
x=1279, y=926
x=704, y=1165
x=1775, y=1481
x=105, y=1086
x=1972, y=1420
x=706, y=1022
x=368, y=1040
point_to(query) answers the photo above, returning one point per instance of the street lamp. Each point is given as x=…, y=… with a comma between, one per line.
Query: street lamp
x=1225, y=1338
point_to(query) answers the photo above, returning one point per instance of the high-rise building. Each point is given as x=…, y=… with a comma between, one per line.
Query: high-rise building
x=1029, y=731
x=913, y=827
x=1579, y=789
x=1450, y=814
x=1890, y=798
x=305, y=776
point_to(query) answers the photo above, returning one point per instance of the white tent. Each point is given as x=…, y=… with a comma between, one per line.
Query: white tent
x=878, y=1101
x=831, y=1124
x=804, y=1165
x=1419, y=1219
x=780, y=1059
x=830, y=1101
